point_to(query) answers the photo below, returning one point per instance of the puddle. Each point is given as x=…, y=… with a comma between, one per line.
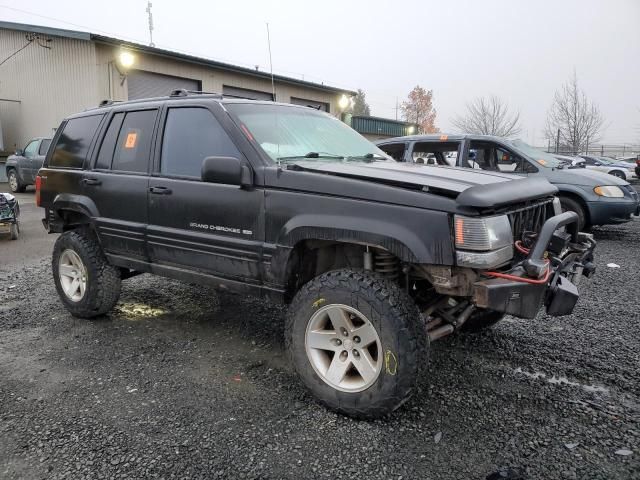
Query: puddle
x=560, y=380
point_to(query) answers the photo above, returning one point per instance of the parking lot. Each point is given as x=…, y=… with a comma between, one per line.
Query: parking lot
x=184, y=382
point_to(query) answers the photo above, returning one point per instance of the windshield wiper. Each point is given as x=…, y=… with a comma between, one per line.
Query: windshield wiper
x=313, y=155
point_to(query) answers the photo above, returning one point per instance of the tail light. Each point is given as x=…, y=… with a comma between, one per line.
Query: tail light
x=38, y=186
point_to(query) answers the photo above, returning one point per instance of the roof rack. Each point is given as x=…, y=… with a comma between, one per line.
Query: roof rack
x=181, y=92
x=105, y=103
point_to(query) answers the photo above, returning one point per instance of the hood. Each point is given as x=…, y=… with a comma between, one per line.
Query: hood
x=583, y=176
x=473, y=188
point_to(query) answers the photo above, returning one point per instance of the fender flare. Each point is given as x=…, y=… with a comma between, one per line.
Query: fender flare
x=401, y=241
x=75, y=203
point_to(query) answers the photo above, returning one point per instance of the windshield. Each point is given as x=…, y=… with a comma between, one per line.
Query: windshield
x=539, y=156
x=290, y=133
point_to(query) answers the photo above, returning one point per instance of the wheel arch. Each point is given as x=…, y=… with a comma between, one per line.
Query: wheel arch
x=580, y=200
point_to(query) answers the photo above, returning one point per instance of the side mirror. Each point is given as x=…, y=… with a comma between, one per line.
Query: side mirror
x=226, y=170
x=19, y=152
x=597, y=164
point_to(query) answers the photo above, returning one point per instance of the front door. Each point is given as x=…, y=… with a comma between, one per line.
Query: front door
x=212, y=228
x=119, y=181
x=25, y=164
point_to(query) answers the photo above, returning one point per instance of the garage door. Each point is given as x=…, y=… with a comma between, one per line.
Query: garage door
x=148, y=84
x=237, y=92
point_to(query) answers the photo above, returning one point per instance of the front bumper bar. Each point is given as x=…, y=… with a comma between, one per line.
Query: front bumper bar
x=568, y=255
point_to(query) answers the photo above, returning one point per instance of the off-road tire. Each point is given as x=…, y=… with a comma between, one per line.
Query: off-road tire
x=19, y=187
x=103, y=279
x=481, y=320
x=14, y=231
x=399, y=325
x=570, y=205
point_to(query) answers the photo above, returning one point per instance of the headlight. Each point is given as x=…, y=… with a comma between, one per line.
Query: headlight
x=609, y=191
x=489, y=233
x=489, y=239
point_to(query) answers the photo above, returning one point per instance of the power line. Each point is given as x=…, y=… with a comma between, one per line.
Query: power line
x=29, y=42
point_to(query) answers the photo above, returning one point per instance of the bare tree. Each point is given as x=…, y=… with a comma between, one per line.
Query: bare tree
x=489, y=116
x=573, y=120
x=418, y=109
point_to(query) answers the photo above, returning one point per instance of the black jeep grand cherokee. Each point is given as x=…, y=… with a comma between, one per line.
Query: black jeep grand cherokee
x=376, y=258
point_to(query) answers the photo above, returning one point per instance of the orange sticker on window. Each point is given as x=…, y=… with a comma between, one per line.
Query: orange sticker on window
x=131, y=140
x=443, y=138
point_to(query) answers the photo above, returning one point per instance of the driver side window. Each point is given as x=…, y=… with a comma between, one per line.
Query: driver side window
x=510, y=163
x=31, y=149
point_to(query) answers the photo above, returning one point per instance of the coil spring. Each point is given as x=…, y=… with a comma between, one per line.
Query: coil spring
x=387, y=265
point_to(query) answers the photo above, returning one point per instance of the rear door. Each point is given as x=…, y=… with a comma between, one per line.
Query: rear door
x=119, y=180
x=212, y=228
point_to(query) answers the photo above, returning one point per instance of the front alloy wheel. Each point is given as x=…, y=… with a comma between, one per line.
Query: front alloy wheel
x=343, y=348
x=357, y=341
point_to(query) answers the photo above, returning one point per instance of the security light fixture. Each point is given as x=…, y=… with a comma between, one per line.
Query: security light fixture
x=126, y=59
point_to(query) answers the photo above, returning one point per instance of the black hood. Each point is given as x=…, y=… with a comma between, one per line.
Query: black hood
x=471, y=188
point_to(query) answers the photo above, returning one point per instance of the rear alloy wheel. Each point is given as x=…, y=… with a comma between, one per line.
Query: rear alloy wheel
x=14, y=182
x=86, y=283
x=357, y=341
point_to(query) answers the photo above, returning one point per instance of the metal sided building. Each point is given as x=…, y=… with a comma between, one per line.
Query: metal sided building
x=49, y=73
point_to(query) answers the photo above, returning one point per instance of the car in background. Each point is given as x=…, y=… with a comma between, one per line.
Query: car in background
x=617, y=168
x=23, y=166
x=9, y=215
x=597, y=198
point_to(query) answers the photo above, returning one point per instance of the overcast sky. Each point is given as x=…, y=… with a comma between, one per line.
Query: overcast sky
x=521, y=51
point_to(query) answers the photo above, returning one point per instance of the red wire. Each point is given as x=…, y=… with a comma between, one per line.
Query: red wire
x=521, y=248
x=525, y=250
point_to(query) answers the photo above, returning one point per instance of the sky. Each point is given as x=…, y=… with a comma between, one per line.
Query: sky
x=521, y=51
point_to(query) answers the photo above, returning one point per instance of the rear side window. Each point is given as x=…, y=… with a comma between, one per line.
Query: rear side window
x=44, y=146
x=191, y=135
x=133, y=145
x=73, y=143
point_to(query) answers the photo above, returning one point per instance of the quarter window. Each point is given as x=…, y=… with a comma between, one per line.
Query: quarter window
x=73, y=143
x=44, y=146
x=190, y=136
x=134, y=142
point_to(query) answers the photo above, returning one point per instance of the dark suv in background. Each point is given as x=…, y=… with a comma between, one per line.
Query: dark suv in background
x=597, y=198
x=289, y=203
x=23, y=167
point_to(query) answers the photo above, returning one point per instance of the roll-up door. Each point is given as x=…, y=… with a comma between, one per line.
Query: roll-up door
x=148, y=84
x=237, y=92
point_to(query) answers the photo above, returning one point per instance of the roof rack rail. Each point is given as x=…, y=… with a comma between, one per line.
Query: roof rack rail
x=105, y=103
x=181, y=92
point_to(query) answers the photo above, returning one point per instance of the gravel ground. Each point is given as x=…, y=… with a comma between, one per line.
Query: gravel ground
x=184, y=382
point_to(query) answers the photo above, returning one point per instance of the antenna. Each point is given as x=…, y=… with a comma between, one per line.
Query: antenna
x=273, y=87
x=149, y=5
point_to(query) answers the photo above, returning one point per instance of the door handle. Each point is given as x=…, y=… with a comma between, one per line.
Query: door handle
x=160, y=190
x=91, y=181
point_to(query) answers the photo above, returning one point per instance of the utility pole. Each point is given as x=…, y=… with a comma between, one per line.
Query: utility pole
x=558, y=141
x=149, y=5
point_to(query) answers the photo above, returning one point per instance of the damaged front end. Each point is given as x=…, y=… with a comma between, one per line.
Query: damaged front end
x=544, y=268
x=547, y=269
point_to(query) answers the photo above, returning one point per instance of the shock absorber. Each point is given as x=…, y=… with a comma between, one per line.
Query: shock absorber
x=386, y=264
